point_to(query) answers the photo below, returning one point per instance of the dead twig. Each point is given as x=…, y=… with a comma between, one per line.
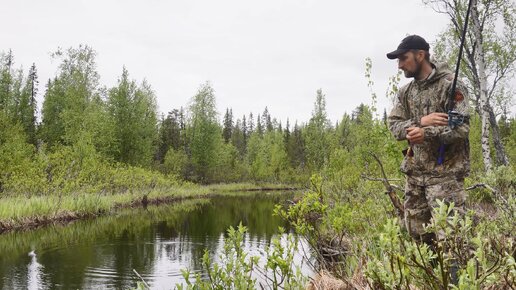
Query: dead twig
x=143, y=281
x=483, y=185
x=378, y=179
x=494, y=191
x=381, y=179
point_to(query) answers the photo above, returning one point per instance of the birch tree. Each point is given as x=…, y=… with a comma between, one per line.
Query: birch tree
x=133, y=109
x=204, y=133
x=316, y=134
x=489, y=60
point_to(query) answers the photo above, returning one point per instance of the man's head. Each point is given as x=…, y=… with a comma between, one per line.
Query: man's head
x=412, y=54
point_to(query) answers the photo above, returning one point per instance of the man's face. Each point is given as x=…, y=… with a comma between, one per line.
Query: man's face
x=411, y=63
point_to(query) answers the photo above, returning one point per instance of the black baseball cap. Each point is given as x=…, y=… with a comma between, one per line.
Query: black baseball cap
x=408, y=43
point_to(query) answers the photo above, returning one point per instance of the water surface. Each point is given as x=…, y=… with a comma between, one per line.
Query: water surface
x=157, y=242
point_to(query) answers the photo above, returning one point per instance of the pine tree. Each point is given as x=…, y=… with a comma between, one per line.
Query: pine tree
x=286, y=136
x=244, y=129
x=27, y=106
x=267, y=120
x=6, y=62
x=251, y=126
x=170, y=134
x=228, y=125
x=297, y=148
x=259, y=127
x=238, y=138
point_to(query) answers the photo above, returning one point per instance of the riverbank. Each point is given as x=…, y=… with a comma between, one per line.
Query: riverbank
x=22, y=213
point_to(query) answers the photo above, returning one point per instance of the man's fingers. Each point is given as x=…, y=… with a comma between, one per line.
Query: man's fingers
x=440, y=119
x=414, y=133
x=416, y=141
x=411, y=129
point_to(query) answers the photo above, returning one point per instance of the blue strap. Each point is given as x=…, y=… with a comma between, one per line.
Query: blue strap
x=440, y=159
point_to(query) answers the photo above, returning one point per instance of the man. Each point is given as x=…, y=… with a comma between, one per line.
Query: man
x=437, y=159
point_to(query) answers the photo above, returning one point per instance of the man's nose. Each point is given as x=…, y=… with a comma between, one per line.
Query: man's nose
x=400, y=64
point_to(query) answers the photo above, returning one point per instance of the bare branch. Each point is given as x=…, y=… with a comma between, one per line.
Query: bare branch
x=483, y=185
x=383, y=180
x=390, y=189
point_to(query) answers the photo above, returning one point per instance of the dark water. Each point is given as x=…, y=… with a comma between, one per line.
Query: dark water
x=157, y=242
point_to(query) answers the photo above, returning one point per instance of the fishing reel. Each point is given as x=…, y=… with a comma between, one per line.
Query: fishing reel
x=456, y=118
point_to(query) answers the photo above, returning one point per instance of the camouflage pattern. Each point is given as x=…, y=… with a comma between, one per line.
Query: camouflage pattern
x=419, y=201
x=418, y=99
x=427, y=180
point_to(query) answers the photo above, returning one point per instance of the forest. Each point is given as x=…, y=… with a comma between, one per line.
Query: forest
x=91, y=147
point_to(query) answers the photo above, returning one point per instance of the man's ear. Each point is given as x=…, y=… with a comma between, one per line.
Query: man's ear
x=420, y=55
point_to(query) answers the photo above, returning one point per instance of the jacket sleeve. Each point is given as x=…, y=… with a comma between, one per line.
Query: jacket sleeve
x=399, y=118
x=460, y=132
x=446, y=134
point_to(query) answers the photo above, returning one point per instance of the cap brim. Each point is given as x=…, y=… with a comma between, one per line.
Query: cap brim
x=395, y=54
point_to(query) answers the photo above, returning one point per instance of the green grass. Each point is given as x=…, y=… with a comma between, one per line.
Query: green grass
x=18, y=210
x=226, y=187
x=17, y=243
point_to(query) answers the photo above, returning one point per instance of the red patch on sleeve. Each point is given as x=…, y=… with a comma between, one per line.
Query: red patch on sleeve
x=459, y=97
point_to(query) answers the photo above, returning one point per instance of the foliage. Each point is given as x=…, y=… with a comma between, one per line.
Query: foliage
x=15, y=155
x=175, y=162
x=171, y=133
x=133, y=110
x=204, y=134
x=478, y=259
x=266, y=156
x=501, y=185
x=121, y=125
x=69, y=95
x=328, y=222
x=229, y=167
x=317, y=139
x=237, y=269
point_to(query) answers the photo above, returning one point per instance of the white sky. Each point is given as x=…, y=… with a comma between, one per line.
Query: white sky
x=255, y=53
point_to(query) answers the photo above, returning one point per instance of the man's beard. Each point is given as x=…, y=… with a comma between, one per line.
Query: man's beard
x=416, y=72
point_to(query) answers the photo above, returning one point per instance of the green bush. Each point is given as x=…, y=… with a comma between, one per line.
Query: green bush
x=238, y=267
x=463, y=256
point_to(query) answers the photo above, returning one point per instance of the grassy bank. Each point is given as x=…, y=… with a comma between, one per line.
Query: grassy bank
x=17, y=243
x=20, y=212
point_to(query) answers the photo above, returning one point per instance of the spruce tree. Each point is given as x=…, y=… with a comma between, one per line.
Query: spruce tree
x=228, y=125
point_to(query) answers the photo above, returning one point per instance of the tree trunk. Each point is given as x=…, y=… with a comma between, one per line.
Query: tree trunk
x=501, y=156
x=483, y=100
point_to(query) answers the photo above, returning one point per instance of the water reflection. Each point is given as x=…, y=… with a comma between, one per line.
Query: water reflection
x=34, y=272
x=157, y=242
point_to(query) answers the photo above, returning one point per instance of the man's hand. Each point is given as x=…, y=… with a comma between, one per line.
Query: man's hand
x=415, y=135
x=435, y=119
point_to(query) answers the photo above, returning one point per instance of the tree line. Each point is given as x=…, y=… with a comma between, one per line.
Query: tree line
x=121, y=126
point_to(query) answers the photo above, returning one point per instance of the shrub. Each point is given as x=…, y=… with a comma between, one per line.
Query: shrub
x=237, y=268
x=463, y=257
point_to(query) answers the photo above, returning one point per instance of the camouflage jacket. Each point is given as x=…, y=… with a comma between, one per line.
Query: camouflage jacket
x=418, y=99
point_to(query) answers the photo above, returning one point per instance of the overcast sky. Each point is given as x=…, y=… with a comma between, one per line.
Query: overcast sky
x=255, y=53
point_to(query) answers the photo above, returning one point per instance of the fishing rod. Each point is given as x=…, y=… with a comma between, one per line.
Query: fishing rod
x=461, y=48
x=455, y=118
